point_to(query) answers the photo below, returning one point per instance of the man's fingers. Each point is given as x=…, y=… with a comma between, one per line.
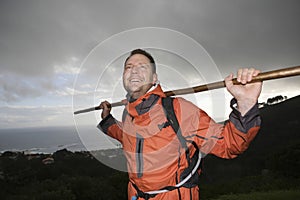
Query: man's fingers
x=105, y=105
x=245, y=75
x=250, y=74
x=256, y=72
x=239, y=75
x=228, y=80
x=106, y=108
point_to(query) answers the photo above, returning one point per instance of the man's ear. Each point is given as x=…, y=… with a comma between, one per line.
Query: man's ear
x=155, y=78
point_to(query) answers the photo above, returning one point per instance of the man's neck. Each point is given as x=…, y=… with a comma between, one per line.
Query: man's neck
x=135, y=95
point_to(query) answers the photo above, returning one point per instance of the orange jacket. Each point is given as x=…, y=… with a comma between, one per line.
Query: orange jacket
x=155, y=158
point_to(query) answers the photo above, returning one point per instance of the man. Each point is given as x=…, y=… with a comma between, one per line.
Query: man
x=162, y=161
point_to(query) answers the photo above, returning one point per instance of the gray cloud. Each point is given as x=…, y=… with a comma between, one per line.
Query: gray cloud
x=39, y=39
x=30, y=116
x=13, y=88
x=36, y=36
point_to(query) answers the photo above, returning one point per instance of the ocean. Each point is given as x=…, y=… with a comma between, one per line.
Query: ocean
x=51, y=139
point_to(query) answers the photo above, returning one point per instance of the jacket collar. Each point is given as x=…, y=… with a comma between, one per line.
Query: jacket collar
x=144, y=103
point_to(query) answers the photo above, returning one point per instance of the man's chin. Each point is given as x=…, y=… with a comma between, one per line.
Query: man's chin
x=135, y=87
x=132, y=89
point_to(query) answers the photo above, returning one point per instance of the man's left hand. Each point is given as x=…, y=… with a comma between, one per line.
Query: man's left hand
x=245, y=93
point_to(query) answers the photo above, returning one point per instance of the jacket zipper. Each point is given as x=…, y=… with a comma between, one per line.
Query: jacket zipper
x=139, y=155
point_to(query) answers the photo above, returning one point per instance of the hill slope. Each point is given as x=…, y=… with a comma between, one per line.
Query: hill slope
x=280, y=129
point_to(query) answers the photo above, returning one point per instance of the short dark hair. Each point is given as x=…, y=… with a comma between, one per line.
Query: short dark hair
x=145, y=53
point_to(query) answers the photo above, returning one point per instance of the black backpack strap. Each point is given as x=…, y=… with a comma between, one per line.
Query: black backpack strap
x=167, y=104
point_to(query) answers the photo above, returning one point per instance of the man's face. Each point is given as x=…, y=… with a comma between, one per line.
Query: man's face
x=138, y=76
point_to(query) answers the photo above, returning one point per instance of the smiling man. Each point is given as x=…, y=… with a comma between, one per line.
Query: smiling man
x=139, y=73
x=164, y=139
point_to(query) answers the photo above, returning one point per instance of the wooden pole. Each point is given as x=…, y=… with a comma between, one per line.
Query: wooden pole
x=263, y=76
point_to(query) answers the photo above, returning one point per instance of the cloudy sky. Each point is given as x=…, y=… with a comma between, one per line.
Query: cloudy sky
x=55, y=54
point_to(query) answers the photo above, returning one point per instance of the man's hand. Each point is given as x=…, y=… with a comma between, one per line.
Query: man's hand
x=247, y=93
x=106, y=108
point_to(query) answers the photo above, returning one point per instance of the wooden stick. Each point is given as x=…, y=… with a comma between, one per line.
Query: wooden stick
x=275, y=74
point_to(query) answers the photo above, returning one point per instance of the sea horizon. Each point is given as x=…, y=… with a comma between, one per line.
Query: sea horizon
x=51, y=139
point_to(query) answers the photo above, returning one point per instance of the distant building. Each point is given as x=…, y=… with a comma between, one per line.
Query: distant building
x=276, y=99
x=11, y=155
x=48, y=161
x=33, y=156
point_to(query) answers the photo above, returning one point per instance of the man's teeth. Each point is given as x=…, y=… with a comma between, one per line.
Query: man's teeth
x=134, y=80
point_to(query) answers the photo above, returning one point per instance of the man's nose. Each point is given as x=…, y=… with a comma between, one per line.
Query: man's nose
x=135, y=69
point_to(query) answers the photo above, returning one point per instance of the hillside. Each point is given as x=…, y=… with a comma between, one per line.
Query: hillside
x=279, y=132
x=281, y=125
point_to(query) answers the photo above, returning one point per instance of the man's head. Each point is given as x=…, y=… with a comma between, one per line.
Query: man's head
x=139, y=73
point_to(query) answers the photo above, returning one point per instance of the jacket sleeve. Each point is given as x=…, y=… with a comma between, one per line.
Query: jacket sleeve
x=223, y=140
x=111, y=127
x=237, y=133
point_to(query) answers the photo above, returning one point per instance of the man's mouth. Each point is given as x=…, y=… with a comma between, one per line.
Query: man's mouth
x=134, y=80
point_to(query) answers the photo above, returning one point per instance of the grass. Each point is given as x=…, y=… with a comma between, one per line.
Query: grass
x=270, y=195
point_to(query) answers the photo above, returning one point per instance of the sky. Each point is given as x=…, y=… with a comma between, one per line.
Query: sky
x=58, y=56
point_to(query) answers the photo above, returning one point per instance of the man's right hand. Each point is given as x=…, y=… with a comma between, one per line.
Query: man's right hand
x=106, y=108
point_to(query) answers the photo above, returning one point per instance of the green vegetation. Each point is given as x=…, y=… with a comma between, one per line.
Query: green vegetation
x=278, y=172
x=76, y=176
x=70, y=176
x=270, y=195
